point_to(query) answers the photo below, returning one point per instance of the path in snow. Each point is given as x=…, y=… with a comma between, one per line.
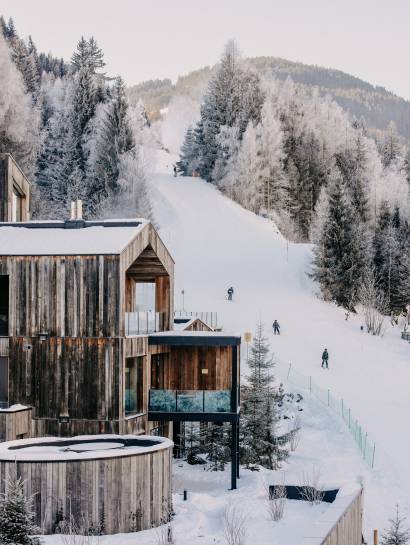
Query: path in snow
x=215, y=244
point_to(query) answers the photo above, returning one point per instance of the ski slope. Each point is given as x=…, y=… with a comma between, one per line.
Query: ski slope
x=216, y=244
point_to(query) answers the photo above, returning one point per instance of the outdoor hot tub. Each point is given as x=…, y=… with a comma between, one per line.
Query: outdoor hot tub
x=115, y=483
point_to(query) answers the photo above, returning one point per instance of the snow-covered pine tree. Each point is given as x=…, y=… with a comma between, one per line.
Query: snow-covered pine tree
x=397, y=533
x=19, y=121
x=17, y=516
x=391, y=149
x=192, y=439
x=188, y=161
x=259, y=418
x=114, y=138
x=340, y=255
x=216, y=446
x=88, y=55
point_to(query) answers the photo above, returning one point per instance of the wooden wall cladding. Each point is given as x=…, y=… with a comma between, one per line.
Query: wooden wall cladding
x=184, y=369
x=348, y=529
x=121, y=494
x=15, y=424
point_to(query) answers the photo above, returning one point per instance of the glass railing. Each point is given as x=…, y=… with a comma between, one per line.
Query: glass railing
x=143, y=322
x=190, y=401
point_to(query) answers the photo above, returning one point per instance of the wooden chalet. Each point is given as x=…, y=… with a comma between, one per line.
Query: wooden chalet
x=87, y=340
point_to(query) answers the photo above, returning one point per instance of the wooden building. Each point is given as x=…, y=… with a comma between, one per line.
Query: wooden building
x=87, y=340
x=14, y=191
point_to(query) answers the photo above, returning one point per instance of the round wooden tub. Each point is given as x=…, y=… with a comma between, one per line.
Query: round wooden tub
x=114, y=483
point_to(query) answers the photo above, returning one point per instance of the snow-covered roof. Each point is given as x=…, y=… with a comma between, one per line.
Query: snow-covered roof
x=68, y=238
x=84, y=447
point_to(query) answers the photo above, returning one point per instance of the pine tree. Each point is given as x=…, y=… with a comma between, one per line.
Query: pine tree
x=257, y=431
x=391, y=145
x=16, y=515
x=340, y=255
x=396, y=534
x=216, y=446
x=88, y=55
x=188, y=161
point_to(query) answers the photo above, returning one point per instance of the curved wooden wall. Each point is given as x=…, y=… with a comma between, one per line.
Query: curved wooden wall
x=119, y=494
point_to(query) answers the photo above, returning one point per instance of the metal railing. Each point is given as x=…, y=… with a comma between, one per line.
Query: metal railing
x=143, y=322
x=338, y=405
x=190, y=401
x=210, y=318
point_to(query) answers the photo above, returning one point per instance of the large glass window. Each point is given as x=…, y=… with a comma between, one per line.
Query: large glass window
x=145, y=296
x=134, y=385
x=4, y=306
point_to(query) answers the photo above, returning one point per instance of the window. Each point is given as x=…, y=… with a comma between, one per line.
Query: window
x=158, y=362
x=4, y=306
x=4, y=381
x=145, y=296
x=134, y=385
x=16, y=206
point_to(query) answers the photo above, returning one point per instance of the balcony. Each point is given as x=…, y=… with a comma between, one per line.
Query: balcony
x=189, y=401
x=143, y=322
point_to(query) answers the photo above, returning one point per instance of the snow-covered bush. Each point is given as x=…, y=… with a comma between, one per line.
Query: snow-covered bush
x=397, y=533
x=276, y=503
x=234, y=526
x=17, y=515
x=311, y=487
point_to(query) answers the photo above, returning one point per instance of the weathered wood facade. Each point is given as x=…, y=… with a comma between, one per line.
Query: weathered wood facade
x=14, y=191
x=66, y=322
x=15, y=424
x=121, y=492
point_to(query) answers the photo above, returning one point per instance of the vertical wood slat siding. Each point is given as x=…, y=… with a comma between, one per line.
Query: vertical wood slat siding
x=111, y=490
x=14, y=424
x=10, y=175
x=348, y=529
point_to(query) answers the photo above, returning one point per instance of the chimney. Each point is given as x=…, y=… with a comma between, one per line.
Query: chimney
x=76, y=210
x=79, y=206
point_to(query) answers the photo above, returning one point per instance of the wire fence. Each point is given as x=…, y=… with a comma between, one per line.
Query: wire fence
x=366, y=445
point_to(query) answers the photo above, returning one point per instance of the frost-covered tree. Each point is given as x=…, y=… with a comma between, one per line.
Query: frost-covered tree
x=88, y=55
x=397, y=533
x=19, y=121
x=16, y=515
x=340, y=254
x=258, y=445
x=391, y=149
x=188, y=161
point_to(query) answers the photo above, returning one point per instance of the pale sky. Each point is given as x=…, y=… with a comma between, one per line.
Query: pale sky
x=164, y=38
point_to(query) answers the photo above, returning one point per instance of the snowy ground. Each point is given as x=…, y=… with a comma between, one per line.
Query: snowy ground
x=215, y=244
x=199, y=521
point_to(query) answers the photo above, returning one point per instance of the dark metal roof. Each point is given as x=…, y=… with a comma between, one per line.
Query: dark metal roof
x=72, y=224
x=193, y=338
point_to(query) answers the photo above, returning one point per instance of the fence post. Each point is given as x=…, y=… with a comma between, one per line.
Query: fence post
x=365, y=446
x=374, y=450
x=349, y=418
x=343, y=411
x=375, y=537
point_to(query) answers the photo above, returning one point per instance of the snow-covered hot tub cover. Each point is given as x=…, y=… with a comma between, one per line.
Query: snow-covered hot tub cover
x=81, y=447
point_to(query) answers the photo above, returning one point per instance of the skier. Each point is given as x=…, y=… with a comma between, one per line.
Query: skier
x=230, y=293
x=276, y=327
x=325, y=359
x=175, y=171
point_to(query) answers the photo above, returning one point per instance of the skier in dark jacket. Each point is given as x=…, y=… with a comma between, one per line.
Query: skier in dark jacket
x=276, y=327
x=175, y=171
x=230, y=293
x=325, y=359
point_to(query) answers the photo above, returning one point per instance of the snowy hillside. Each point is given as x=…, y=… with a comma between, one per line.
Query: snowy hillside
x=216, y=244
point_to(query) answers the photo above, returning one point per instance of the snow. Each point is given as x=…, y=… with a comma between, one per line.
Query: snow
x=59, y=241
x=215, y=244
x=34, y=451
x=199, y=520
x=15, y=408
